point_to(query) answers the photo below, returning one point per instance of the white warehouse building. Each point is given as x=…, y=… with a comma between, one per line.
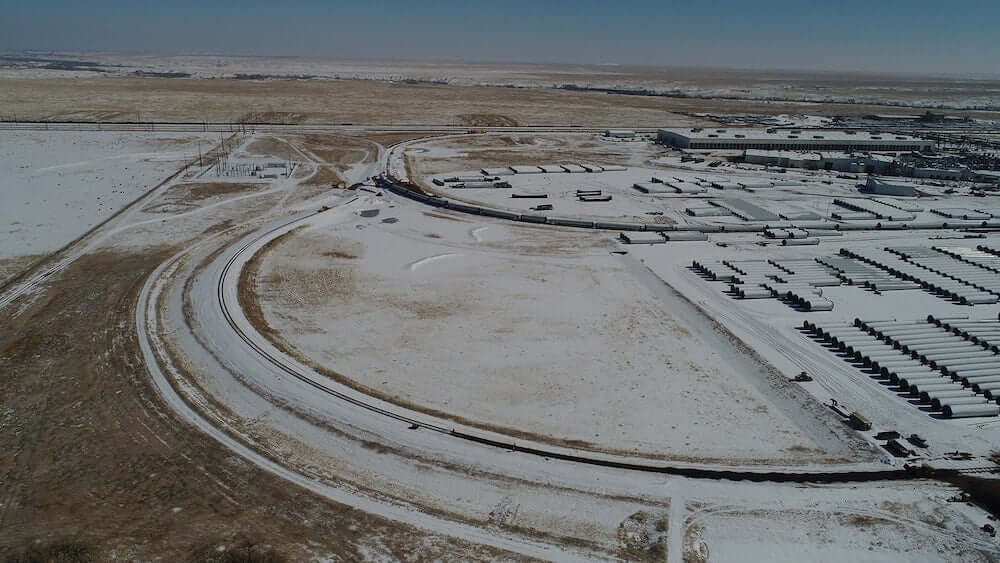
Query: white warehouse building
x=790, y=139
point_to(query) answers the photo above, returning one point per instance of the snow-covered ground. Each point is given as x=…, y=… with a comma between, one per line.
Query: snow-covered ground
x=536, y=329
x=768, y=326
x=57, y=185
x=607, y=509
x=530, y=330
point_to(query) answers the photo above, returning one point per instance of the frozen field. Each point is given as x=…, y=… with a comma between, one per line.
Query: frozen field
x=898, y=526
x=59, y=185
x=538, y=333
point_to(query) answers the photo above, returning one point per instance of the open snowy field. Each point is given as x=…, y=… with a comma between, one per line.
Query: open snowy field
x=534, y=332
x=59, y=185
x=896, y=525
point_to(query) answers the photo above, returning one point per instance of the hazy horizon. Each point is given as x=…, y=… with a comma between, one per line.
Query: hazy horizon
x=917, y=38
x=41, y=53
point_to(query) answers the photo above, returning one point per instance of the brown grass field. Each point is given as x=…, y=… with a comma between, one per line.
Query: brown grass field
x=363, y=102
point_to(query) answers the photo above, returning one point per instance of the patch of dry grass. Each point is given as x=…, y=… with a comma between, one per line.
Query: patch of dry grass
x=89, y=452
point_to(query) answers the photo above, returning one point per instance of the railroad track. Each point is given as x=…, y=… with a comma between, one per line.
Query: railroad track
x=513, y=446
x=388, y=183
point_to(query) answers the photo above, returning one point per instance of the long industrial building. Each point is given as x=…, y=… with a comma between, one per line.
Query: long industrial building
x=789, y=139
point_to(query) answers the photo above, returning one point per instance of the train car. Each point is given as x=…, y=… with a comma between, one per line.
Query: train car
x=421, y=197
x=619, y=226
x=532, y=218
x=565, y=222
x=465, y=208
x=499, y=214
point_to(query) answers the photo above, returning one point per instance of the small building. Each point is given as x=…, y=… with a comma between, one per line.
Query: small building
x=497, y=171
x=840, y=161
x=641, y=238
x=594, y=198
x=939, y=173
x=526, y=170
x=881, y=187
x=653, y=188
x=880, y=164
x=552, y=168
x=986, y=176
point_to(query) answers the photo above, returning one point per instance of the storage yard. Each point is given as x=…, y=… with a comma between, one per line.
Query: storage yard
x=871, y=341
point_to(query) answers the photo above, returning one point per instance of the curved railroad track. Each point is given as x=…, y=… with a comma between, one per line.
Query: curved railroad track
x=582, y=458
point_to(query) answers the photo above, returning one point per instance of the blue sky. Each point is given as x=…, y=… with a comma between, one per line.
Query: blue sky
x=958, y=36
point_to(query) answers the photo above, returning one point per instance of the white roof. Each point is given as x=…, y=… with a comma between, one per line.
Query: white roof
x=794, y=155
x=526, y=169
x=497, y=171
x=653, y=187
x=872, y=181
x=785, y=134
